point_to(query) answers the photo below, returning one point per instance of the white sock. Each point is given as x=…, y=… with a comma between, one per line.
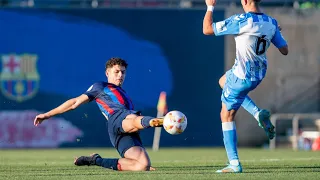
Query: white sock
x=234, y=162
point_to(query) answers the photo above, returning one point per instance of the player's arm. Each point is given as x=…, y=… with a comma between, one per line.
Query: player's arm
x=70, y=104
x=279, y=41
x=225, y=27
x=207, y=27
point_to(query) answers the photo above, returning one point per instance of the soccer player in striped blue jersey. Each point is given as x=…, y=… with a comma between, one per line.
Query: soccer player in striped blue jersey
x=123, y=121
x=253, y=31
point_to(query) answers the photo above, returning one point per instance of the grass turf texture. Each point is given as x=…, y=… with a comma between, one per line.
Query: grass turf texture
x=177, y=163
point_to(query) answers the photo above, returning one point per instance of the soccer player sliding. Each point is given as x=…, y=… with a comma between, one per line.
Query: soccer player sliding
x=123, y=122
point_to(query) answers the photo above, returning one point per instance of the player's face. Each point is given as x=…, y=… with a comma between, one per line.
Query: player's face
x=116, y=75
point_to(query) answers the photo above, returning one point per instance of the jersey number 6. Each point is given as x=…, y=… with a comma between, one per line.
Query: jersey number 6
x=264, y=43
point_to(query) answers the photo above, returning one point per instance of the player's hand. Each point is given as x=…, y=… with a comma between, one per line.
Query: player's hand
x=40, y=118
x=211, y=2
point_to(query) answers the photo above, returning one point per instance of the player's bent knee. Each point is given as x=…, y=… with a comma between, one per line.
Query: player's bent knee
x=222, y=81
x=141, y=166
x=139, y=155
x=143, y=162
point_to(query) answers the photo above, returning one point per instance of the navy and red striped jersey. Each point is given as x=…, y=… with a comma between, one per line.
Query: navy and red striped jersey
x=109, y=98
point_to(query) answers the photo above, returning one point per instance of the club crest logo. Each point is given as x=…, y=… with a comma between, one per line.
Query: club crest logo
x=19, y=78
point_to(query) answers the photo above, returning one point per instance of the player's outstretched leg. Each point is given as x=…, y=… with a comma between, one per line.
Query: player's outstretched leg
x=134, y=123
x=230, y=141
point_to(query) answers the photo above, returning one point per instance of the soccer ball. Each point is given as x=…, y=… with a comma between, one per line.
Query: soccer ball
x=175, y=122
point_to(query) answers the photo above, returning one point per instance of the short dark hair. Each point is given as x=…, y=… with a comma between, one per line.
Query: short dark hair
x=116, y=61
x=257, y=1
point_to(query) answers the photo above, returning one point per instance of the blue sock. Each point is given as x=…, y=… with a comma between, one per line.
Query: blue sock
x=107, y=163
x=230, y=142
x=145, y=121
x=250, y=106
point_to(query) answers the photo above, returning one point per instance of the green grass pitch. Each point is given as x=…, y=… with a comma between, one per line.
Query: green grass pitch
x=175, y=163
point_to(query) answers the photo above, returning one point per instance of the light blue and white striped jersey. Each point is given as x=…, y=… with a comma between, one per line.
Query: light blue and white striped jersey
x=253, y=34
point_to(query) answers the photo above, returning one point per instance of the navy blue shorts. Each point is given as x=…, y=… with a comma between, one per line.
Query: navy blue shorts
x=120, y=140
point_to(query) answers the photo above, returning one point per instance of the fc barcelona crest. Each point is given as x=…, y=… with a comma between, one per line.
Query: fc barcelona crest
x=19, y=77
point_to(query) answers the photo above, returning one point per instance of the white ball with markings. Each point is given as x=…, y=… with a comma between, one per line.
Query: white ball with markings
x=175, y=122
